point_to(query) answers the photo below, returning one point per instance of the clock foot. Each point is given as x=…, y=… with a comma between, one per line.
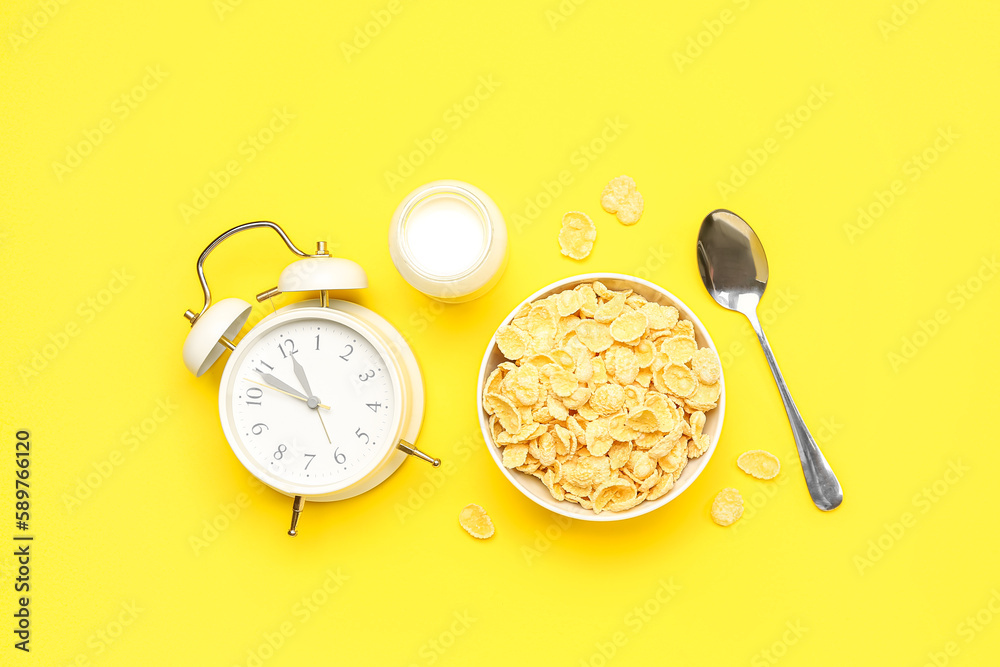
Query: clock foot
x=297, y=506
x=413, y=451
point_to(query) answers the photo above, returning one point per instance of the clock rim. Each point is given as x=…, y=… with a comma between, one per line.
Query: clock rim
x=302, y=311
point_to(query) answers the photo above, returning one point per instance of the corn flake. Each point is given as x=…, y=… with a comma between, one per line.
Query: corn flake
x=706, y=364
x=476, y=522
x=759, y=463
x=577, y=236
x=727, y=507
x=628, y=326
x=513, y=342
x=621, y=198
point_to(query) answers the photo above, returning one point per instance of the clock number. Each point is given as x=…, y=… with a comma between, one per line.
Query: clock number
x=338, y=457
x=365, y=377
x=264, y=363
x=280, y=454
x=374, y=407
x=317, y=341
x=311, y=457
x=290, y=344
x=345, y=355
x=259, y=428
x=362, y=435
x=255, y=393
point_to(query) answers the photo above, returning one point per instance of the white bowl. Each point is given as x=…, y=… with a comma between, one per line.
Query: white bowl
x=532, y=487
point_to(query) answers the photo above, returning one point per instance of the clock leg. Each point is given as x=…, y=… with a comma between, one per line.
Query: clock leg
x=297, y=506
x=413, y=451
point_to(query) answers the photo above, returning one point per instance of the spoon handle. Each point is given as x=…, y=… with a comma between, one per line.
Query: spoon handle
x=822, y=483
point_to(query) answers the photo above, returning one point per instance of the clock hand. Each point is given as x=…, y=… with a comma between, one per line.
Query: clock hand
x=296, y=395
x=278, y=384
x=300, y=373
x=320, y=415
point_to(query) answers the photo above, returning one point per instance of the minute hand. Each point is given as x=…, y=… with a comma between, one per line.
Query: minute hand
x=297, y=396
x=275, y=382
x=300, y=373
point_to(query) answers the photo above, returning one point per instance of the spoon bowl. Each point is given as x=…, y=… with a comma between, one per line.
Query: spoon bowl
x=733, y=267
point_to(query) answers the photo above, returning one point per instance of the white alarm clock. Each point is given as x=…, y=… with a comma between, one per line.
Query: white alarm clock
x=322, y=399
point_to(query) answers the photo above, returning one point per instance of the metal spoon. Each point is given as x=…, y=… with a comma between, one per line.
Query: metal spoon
x=733, y=267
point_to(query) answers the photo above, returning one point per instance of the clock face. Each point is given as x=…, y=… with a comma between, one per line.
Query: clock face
x=312, y=402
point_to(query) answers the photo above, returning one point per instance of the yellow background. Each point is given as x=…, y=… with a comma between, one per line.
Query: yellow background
x=891, y=577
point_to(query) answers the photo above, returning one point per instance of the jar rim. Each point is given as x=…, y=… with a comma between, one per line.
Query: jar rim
x=423, y=195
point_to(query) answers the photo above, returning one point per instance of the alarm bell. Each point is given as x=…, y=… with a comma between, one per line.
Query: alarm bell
x=319, y=273
x=212, y=332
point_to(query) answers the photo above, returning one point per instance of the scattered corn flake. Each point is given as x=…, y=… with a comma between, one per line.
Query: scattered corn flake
x=727, y=507
x=621, y=198
x=476, y=522
x=759, y=463
x=577, y=236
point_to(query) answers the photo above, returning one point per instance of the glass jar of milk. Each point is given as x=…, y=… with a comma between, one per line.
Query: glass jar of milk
x=449, y=240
